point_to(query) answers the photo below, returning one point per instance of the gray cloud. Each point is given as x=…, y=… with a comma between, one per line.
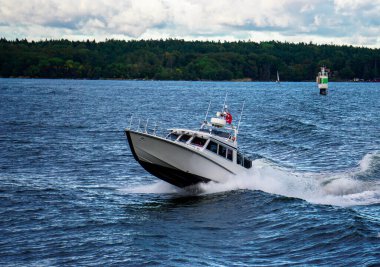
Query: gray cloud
x=340, y=21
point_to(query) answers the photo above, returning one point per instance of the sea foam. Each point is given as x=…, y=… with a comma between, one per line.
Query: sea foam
x=343, y=188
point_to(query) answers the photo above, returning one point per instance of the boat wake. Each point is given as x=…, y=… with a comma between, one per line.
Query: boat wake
x=358, y=186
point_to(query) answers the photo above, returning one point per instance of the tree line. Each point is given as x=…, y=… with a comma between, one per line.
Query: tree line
x=174, y=59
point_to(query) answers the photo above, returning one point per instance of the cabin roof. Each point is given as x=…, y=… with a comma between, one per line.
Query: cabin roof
x=205, y=133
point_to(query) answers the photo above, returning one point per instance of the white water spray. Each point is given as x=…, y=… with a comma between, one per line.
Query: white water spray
x=330, y=188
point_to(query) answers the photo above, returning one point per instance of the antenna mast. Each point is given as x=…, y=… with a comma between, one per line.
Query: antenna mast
x=241, y=115
x=209, y=104
x=224, y=104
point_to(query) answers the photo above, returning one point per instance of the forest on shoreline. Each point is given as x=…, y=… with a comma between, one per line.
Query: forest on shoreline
x=174, y=59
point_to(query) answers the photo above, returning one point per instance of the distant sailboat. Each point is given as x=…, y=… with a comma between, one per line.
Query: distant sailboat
x=278, y=78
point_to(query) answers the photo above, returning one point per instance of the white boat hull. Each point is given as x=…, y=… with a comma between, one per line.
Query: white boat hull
x=177, y=163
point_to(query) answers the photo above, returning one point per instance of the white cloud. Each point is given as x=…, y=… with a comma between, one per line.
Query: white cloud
x=339, y=21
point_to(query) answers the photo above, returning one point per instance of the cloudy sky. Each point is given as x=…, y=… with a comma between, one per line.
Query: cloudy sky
x=352, y=22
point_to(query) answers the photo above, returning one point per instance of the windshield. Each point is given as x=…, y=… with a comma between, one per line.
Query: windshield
x=217, y=132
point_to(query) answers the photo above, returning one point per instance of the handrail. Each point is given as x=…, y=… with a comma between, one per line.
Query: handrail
x=145, y=128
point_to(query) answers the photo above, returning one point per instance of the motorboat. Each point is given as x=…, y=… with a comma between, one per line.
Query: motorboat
x=185, y=157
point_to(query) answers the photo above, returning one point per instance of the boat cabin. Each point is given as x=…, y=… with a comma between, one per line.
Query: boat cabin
x=217, y=142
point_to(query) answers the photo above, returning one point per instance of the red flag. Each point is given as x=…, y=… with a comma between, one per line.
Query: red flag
x=228, y=118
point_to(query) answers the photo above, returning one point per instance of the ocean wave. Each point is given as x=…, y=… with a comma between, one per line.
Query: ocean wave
x=286, y=125
x=159, y=187
x=370, y=162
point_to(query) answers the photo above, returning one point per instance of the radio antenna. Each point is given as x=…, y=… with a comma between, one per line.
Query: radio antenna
x=241, y=115
x=209, y=104
x=224, y=104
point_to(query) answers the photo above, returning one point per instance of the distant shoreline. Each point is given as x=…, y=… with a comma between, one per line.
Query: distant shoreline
x=232, y=81
x=186, y=60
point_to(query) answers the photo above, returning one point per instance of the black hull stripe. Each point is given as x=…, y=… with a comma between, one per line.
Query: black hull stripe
x=174, y=177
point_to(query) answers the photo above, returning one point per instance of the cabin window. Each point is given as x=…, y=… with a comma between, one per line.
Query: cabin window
x=184, y=138
x=173, y=136
x=197, y=141
x=229, y=154
x=213, y=147
x=239, y=159
x=222, y=151
x=245, y=162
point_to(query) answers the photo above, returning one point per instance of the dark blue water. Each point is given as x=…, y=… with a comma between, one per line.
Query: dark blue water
x=72, y=194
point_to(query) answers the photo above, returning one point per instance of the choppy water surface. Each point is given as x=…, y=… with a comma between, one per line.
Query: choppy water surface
x=72, y=194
